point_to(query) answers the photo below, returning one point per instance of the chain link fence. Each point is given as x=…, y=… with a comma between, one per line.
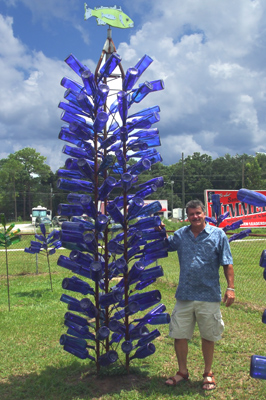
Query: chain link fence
x=249, y=282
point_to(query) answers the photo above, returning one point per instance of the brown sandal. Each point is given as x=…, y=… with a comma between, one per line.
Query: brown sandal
x=175, y=382
x=209, y=382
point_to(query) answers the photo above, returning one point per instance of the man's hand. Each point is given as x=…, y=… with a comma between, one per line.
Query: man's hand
x=229, y=298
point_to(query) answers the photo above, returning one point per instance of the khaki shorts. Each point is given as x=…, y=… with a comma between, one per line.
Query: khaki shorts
x=207, y=315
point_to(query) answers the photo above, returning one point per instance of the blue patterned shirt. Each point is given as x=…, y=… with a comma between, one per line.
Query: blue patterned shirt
x=200, y=259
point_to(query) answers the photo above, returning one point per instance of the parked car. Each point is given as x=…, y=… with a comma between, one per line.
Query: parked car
x=58, y=220
x=43, y=220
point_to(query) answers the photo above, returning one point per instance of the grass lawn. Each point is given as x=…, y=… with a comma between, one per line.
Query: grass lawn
x=33, y=365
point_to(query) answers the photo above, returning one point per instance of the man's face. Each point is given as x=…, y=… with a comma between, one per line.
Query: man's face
x=196, y=217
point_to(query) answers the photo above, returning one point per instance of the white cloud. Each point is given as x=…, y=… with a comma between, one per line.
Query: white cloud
x=211, y=57
x=206, y=56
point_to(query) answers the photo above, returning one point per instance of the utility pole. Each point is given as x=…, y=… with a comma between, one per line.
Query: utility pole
x=183, y=188
x=172, y=186
x=243, y=172
x=51, y=199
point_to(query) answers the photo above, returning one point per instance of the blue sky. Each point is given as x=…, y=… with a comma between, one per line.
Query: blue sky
x=211, y=55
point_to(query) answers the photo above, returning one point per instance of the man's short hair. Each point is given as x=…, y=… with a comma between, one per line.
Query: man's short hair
x=195, y=204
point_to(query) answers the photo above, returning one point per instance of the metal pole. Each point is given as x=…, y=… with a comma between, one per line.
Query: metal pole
x=172, y=206
x=183, y=188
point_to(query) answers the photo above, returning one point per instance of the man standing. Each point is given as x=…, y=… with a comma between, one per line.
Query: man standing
x=201, y=249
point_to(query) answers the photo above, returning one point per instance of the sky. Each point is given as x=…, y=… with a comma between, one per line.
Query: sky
x=211, y=55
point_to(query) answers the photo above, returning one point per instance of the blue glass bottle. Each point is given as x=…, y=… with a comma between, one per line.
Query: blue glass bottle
x=70, y=137
x=110, y=298
x=210, y=220
x=90, y=242
x=108, y=358
x=108, y=142
x=143, y=64
x=110, y=65
x=132, y=308
x=102, y=333
x=222, y=217
x=135, y=207
x=139, y=167
x=77, y=285
x=138, y=95
x=88, y=206
x=123, y=133
x=120, y=158
x=72, y=226
x=115, y=213
x=71, y=97
x=100, y=121
x=258, y=367
x=151, y=208
x=240, y=235
x=117, y=326
x=70, y=117
x=101, y=223
x=71, y=237
x=80, y=258
x=67, y=263
x=75, y=185
x=88, y=307
x=73, y=341
x=157, y=85
x=135, y=239
x=96, y=271
x=76, y=319
x=75, y=64
x=127, y=346
x=106, y=188
x=145, y=154
x=82, y=335
x=122, y=106
x=216, y=204
x=141, y=113
x=85, y=104
x=146, y=223
x=89, y=82
x=152, y=257
x=263, y=259
x=85, y=168
x=70, y=84
x=69, y=299
x=71, y=174
x=83, y=131
x=106, y=163
x=116, y=338
x=144, y=351
x=251, y=197
x=233, y=226
x=157, y=245
x=148, y=338
x=100, y=96
x=143, y=284
x=77, y=152
x=151, y=273
x=82, y=354
x=142, y=298
x=130, y=79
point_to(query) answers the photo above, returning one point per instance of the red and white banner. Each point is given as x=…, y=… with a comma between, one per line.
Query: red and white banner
x=252, y=216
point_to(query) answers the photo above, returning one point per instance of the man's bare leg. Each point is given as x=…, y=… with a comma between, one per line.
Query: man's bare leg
x=208, y=351
x=181, y=350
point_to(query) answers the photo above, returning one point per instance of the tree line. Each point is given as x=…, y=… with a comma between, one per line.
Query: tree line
x=27, y=181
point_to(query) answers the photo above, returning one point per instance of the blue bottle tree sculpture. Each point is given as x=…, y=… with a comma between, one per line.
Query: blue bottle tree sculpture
x=106, y=134
x=216, y=204
x=257, y=363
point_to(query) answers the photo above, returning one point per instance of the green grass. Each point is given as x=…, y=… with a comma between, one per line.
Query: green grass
x=34, y=366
